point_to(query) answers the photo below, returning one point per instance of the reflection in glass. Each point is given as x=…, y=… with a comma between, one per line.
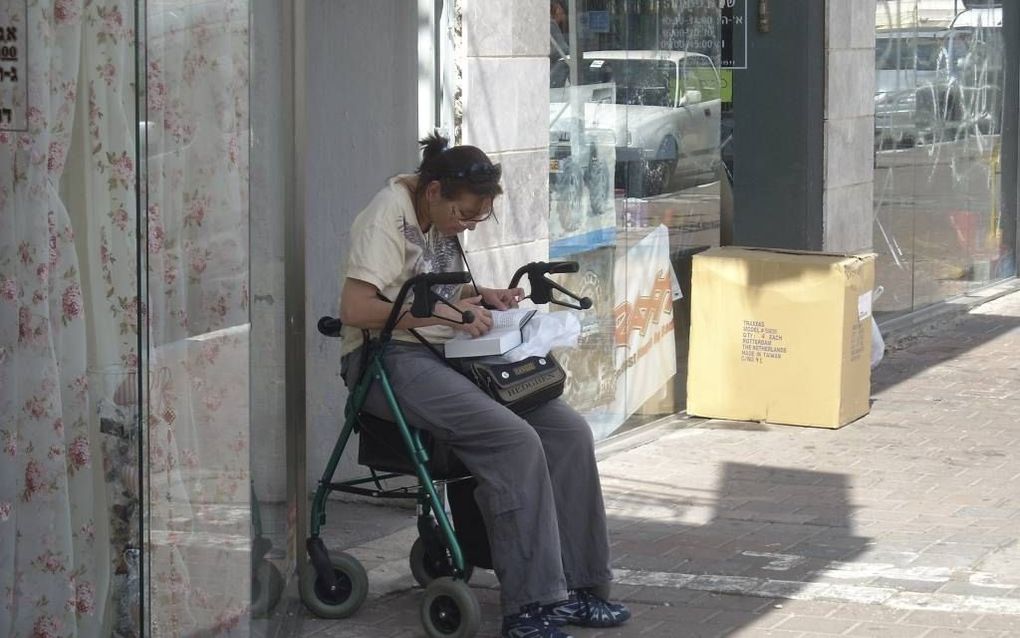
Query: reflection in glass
x=634, y=192
x=938, y=110
x=199, y=518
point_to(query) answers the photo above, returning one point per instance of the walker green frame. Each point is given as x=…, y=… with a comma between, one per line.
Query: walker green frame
x=337, y=590
x=335, y=587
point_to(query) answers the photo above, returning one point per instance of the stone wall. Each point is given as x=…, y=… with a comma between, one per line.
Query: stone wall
x=849, y=125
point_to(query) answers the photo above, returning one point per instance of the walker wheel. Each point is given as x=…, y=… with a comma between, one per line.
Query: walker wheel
x=449, y=609
x=352, y=588
x=426, y=568
x=266, y=587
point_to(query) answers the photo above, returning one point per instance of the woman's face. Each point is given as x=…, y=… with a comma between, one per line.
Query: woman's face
x=464, y=212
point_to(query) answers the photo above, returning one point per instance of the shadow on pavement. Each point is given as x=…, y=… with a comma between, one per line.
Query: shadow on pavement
x=941, y=346
x=770, y=534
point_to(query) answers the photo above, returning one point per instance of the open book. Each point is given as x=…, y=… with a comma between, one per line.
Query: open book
x=506, y=334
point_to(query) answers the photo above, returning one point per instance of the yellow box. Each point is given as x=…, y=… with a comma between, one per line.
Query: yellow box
x=780, y=336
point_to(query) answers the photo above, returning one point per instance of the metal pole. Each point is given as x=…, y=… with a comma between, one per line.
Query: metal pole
x=575, y=54
x=1010, y=148
x=294, y=298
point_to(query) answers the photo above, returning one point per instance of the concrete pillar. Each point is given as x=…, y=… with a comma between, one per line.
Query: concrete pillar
x=804, y=127
x=358, y=111
x=1011, y=128
x=847, y=195
x=501, y=50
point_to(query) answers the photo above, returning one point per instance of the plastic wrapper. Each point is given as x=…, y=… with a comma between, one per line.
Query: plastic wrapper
x=545, y=331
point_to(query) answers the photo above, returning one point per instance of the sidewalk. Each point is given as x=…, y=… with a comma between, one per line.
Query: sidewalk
x=904, y=523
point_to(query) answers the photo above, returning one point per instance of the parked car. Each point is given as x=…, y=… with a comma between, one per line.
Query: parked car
x=664, y=115
x=975, y=54
x=936, y=84
x=906, y=70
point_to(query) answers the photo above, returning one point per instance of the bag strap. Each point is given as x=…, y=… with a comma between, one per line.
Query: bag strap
x=463, y=256
x=414, y=332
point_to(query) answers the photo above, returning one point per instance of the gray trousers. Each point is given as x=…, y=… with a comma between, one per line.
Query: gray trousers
x=538, y=484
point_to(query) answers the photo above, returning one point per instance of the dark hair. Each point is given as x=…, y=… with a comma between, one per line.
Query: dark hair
x=458, y=169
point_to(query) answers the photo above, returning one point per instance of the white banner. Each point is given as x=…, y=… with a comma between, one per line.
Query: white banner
x=643, y=344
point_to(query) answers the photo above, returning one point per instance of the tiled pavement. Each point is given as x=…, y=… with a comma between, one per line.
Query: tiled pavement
x=904, y=523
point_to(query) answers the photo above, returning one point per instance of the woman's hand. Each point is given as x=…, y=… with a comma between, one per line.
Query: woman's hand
x=482, y=321
x=501, y=298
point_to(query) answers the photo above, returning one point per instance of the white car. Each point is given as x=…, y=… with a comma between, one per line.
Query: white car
x=907, y=84
x=665, y=116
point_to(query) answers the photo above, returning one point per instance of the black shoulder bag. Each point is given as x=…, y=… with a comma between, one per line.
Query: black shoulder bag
x=520, y=386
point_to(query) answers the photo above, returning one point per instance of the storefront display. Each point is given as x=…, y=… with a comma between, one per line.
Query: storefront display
x=939, y=232
x=644, y=98
x=156, y=269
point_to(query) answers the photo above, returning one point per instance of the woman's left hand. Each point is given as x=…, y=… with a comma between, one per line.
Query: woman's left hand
x=501, y=298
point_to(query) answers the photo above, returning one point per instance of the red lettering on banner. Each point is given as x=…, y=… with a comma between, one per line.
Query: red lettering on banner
x=645, y=311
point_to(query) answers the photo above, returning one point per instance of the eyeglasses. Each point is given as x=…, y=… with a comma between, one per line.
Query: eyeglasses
x=480, y=217
x=477, y=173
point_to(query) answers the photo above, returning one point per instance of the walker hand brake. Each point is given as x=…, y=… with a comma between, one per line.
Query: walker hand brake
x=424, y=297
x=542, y=287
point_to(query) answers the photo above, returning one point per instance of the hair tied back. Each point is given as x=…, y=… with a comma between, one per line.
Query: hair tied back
x=432, y=146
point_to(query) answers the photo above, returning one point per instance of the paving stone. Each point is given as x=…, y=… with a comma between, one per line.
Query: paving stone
x=970, y=633
x=873, y=613
x=927, y=484
x=872, y=629
x=941, y=619
x=816, y=624
x=1008, y=624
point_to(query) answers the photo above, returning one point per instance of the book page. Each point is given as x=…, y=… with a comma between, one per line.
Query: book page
x=502, y=319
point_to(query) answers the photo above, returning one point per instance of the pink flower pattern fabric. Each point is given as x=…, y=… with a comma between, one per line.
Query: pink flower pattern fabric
x=68, y=335
x=51, y=567
x=197, y=235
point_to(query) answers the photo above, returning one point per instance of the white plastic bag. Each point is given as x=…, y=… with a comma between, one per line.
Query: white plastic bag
x=545, y=331
x=877, y=342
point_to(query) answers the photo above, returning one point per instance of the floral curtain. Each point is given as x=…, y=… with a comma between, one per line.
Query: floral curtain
x=50, y=574
x=198, y=416
x=69, y=332
x=103, y=200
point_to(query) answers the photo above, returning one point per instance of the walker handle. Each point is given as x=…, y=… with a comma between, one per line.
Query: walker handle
x=445, y=278
x=542, y=287
x=329, y=326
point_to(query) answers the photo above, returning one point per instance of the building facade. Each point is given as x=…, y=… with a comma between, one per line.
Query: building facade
x=178, y=179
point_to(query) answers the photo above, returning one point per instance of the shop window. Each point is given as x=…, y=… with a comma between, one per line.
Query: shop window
x=938, y=230
x=635, y=189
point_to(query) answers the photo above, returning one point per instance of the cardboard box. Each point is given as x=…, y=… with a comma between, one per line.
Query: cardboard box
x=780, y=336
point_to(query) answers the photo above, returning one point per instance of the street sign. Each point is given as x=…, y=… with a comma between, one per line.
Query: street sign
x=716, y=28
x=733, y=54
x=13, y=65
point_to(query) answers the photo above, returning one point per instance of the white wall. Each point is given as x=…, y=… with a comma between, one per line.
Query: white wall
x=361, y=122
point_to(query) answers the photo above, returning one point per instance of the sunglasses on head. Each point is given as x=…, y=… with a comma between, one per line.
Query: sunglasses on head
x=477, y=173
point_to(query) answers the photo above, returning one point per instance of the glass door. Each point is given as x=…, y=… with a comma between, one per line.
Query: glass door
x=71, y=343
x=198, y=503
x=939, y=230
x=141, y=353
